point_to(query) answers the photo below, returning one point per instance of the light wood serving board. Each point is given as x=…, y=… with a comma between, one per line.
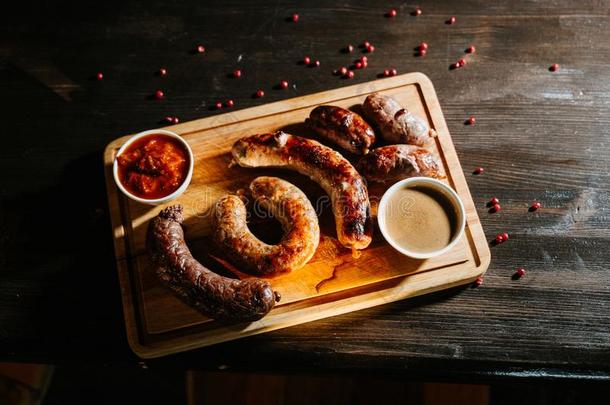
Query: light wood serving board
x=334, y=282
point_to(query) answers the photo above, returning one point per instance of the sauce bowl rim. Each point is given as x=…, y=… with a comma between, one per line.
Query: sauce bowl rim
x=455, y=201
x=169, y=197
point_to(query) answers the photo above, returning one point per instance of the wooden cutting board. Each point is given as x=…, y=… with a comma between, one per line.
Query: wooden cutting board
x=334, y=282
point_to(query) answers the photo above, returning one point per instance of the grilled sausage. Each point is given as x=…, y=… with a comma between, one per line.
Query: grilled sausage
x=397, y=162
x=340, y=180
x=291, y=208
x=218, y=297
x=343, y=128
x=396, y=124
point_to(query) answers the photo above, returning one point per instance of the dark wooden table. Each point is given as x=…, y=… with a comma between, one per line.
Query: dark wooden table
x=540, y=136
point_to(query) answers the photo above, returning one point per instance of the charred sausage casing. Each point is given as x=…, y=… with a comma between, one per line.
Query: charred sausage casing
x=343, y=128
x=396, y=162
x=290, y=206
x=336, y=175
x=218, y=297
x=395, y=123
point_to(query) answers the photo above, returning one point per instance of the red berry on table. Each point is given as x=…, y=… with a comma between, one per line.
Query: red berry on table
x=366, y=44
x=200, y=49
x=471, y=120
x=283, y=84
x=159, y=94
x=423, y=46
x=505, y=236
x=393, y=72
x=423, y=52
x=392, y=13
x=307, y=60
x=316, y=63
x=496, y=208
x=350, y=48
x=364, y=58
x=471, y=49
x=499, y=238
x=294, y=17
x=455, y=65
x=417, y=12
x=343, y=71
x=386, y=73
x=358, y=65
x=554, y=67
x=99, y=76
x=479, y=170
x=230, y=103
x=451, y=20
x=169, y=119
x=461, y=62
x=175, y=120
x=237, y=73
x=365, y=64
x=494, y=200
x=162, y=72
x=478, y=281
x=218, y=105
x=259, y=93
x=370, y=49
x=520, y=272
x=535, y=206
x=350, y=74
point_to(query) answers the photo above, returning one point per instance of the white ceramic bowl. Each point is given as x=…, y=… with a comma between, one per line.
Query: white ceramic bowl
x=444, y=191
x=156, y=201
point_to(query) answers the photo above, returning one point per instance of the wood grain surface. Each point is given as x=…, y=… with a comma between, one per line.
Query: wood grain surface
x=540, y=136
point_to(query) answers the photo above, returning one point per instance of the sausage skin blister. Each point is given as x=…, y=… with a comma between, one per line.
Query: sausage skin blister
x=290, y=206
x=396, y=162
x=395, y=123
x=342, y=127
x=215, y=296
x=334, y=173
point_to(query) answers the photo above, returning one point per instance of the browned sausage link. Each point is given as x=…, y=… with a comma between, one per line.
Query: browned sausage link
x=343, y=128
x=336, y=175
x=396, y=124
x=289, y=206
x=397, y=162
x=218, y=297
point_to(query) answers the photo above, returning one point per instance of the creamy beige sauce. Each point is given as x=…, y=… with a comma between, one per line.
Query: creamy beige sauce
x=419, y=219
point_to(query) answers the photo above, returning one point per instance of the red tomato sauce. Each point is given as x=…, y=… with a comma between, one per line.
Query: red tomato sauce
x=154, y=166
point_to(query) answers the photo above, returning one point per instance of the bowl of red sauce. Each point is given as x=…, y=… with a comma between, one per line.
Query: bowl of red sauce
x=154, y=167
